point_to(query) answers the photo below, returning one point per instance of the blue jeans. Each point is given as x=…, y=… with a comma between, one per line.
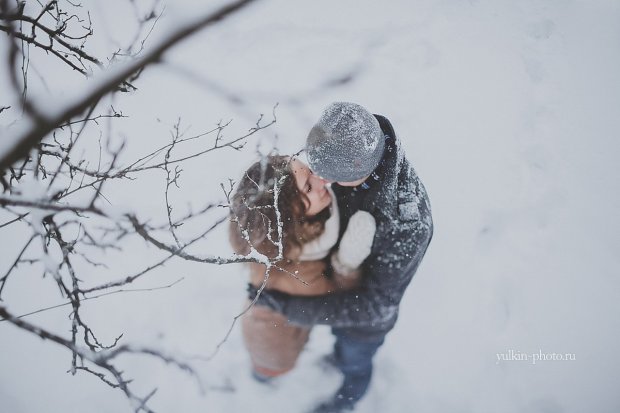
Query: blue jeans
x=353, y=357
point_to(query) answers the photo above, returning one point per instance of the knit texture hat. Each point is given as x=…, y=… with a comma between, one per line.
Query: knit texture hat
x=346, y=144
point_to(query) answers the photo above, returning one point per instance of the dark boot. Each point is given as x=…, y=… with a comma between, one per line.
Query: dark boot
x=336, y=404
x=328, y=363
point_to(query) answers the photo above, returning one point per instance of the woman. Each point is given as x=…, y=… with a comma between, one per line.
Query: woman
x=289, y=216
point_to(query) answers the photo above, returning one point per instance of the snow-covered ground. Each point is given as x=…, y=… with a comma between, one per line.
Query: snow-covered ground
x=510, y=112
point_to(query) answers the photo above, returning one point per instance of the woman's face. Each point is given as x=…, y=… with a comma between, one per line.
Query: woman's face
x=313, y=187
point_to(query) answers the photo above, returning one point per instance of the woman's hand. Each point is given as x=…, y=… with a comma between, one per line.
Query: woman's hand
x=356, y=243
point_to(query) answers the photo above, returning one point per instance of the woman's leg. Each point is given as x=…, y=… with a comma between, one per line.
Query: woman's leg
x=274, y=344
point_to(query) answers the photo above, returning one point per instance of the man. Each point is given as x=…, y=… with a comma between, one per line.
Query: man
x=361, y=154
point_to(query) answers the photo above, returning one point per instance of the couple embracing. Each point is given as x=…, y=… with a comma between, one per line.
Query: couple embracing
x=354, y=225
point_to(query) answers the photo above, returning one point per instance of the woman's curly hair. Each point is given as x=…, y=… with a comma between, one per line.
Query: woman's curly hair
x=254, y=216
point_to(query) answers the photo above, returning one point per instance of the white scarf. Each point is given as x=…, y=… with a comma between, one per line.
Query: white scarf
x=318, y=248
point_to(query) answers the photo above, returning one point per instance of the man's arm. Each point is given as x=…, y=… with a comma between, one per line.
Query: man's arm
x=377, y=301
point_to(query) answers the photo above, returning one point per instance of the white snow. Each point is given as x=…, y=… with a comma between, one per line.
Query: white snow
x=508, y=111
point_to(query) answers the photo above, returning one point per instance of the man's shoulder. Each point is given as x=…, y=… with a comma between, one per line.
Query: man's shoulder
x=386, y=125
x=408, y=205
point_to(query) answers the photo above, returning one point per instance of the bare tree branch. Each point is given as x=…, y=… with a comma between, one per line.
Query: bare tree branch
x=94, y=297
x=44, y=124
x=59, y=187
x=4, y=279
x=104, y=359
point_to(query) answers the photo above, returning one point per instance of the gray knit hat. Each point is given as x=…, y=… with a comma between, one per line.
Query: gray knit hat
x=346, y=144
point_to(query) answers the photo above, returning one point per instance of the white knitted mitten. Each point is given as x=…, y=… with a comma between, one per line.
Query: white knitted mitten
x=355, y=244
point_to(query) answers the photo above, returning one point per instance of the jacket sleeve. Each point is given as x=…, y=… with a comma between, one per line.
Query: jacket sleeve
x=388, y=272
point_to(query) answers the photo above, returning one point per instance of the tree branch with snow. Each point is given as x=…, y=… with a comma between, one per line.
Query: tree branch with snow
x=60, y=197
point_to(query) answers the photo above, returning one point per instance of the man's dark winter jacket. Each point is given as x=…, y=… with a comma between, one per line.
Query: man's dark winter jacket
x=396, y=198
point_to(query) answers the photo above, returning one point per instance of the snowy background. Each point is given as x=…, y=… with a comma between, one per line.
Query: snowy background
x=510, y=112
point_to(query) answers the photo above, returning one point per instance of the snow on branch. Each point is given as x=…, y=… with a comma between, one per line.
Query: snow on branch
x=59, y=198
x=64, y=206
